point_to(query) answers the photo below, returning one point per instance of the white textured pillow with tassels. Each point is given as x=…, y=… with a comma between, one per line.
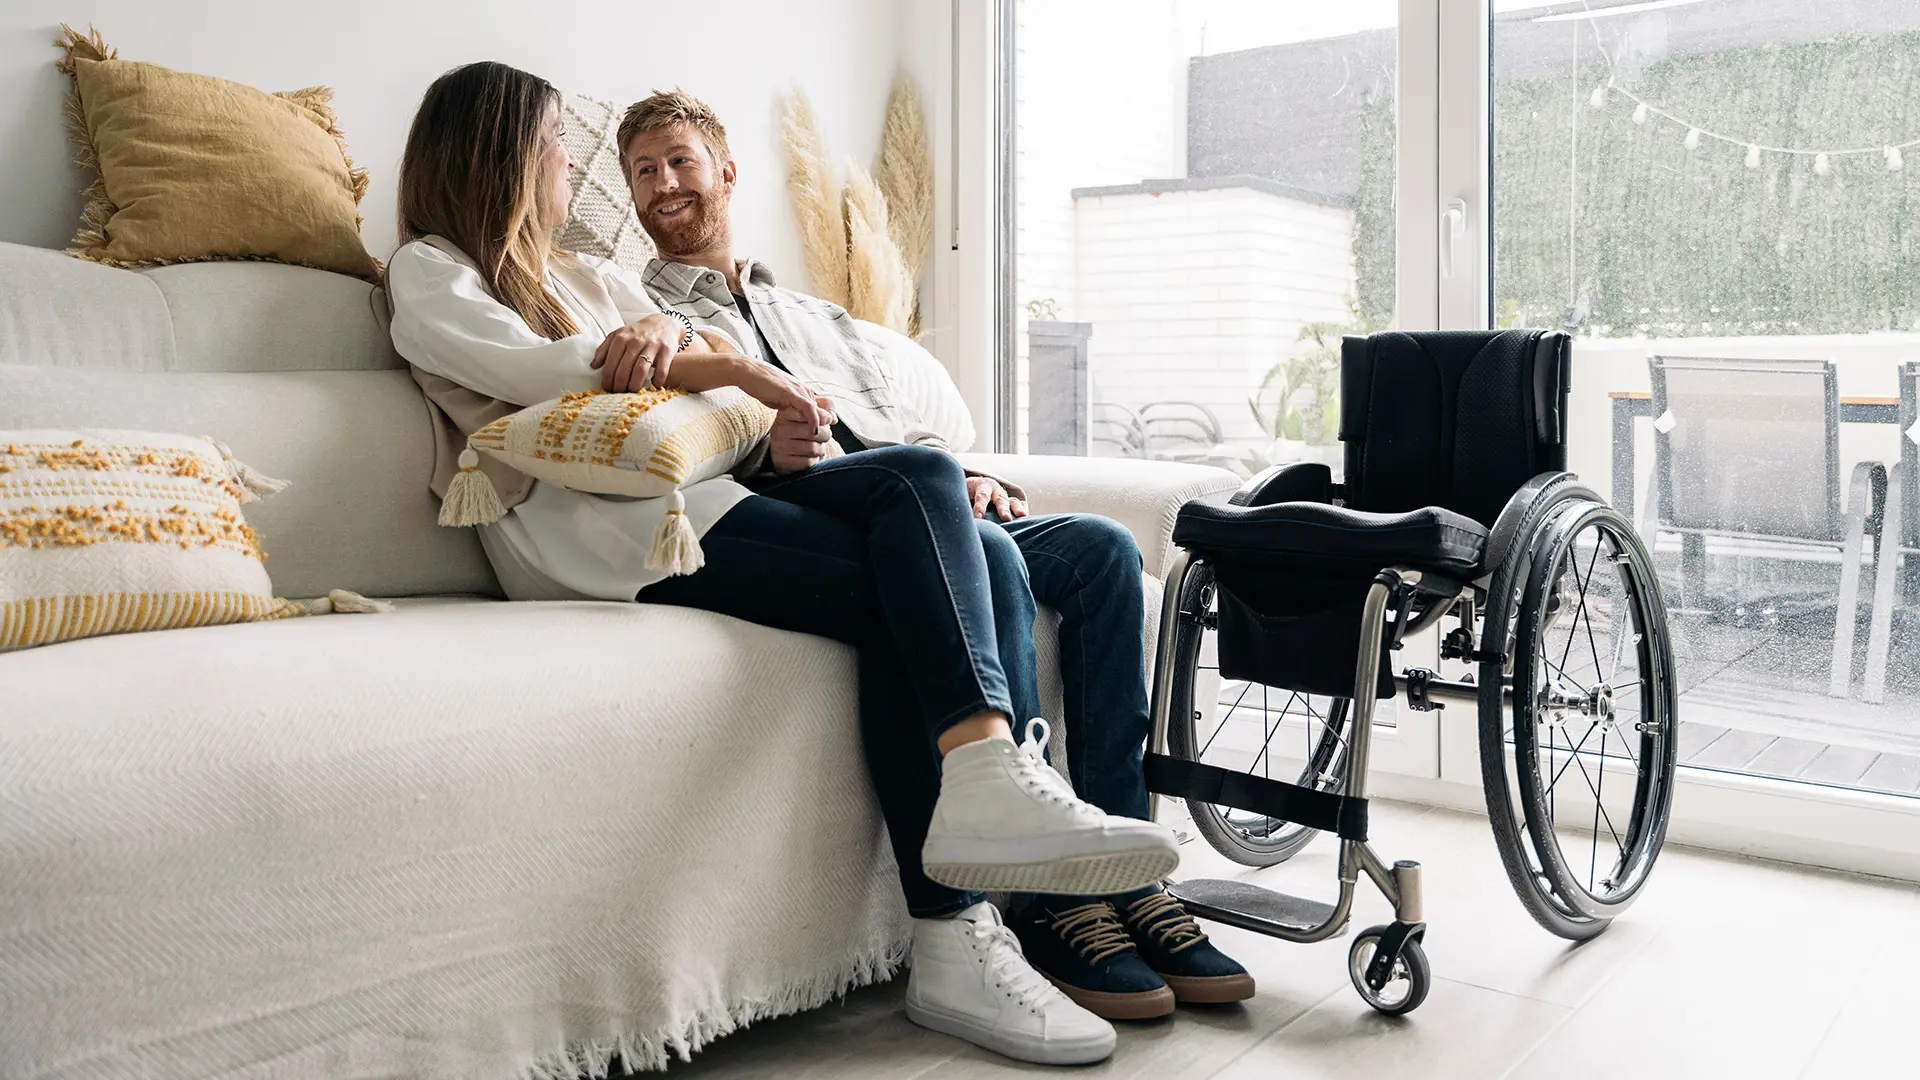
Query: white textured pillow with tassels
x=645, y=446
x=109, y=531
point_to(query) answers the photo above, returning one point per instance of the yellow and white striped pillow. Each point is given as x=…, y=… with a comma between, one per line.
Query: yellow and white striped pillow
x=103, y=532
x=645, y=445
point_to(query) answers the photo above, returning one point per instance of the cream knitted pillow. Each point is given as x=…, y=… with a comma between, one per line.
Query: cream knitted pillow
x=110, y=531
x=645, y=445
x=600, y=219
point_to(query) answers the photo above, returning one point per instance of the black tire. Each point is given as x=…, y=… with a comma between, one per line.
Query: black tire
x=1246, y=838
x=1502, y=603
x=1554, y=600
x=1413, y=969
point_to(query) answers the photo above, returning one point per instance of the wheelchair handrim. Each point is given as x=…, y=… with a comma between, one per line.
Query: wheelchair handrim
x=1538, y=679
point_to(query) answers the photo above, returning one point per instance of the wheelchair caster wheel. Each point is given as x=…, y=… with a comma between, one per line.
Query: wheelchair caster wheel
x=1408, y=982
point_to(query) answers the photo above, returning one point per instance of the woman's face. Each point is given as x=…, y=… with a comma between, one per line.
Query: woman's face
x=556, y=172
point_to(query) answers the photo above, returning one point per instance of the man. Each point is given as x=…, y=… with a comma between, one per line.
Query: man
x=1128, y=956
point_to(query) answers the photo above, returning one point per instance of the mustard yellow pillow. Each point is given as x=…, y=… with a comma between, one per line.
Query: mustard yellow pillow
x=193, y=168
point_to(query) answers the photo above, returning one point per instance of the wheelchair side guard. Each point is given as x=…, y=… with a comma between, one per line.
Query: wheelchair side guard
x=1294, y=481
x=1341, y=815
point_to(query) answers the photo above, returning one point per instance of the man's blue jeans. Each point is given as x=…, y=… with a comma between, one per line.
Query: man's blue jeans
x=880, y=549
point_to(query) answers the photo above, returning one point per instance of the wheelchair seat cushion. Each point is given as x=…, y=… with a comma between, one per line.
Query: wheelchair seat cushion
x=1304, y=535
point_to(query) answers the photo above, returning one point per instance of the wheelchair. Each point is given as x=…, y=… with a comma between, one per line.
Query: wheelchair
x=1457, y=514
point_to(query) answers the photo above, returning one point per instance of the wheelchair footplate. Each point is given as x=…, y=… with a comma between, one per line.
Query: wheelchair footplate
x=1386, y=963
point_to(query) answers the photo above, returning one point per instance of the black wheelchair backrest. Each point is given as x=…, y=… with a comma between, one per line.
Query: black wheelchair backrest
x=1458, y=419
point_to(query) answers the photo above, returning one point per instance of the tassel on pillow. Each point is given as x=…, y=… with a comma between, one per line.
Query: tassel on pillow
x=676, y=547
x=256, y=484
x=471, y=499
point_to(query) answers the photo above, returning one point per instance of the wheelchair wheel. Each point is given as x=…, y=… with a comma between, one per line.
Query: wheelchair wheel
x=1579, y=767
x=1241, y=729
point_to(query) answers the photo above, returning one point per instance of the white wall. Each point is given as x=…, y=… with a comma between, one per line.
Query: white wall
x=1194, y=295
x=379, y=55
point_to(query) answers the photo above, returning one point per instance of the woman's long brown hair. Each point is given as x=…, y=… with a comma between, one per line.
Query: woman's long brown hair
x=471, y=174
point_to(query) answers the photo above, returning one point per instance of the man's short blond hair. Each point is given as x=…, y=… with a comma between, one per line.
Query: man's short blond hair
x=665, y=108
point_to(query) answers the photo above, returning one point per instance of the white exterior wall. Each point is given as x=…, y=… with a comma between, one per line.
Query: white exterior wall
x=1194, y=295
x=1101, y=98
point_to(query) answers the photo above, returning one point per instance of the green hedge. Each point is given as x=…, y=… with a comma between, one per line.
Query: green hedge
x=1672, y=242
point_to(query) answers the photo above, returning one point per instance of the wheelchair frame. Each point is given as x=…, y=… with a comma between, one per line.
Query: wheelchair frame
x=1519, y=595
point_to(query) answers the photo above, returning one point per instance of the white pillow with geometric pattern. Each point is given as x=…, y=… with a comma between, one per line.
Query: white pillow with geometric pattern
x=600, y=220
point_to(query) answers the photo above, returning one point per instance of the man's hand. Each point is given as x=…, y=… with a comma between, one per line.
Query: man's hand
x=986, y=492
x=797, y=443
x=639, y=355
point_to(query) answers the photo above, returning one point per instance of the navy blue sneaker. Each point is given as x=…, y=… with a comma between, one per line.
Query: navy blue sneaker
x=1173, y=945
x=1079, y=944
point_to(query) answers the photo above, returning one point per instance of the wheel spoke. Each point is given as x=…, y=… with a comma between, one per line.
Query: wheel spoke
x=1224, y=717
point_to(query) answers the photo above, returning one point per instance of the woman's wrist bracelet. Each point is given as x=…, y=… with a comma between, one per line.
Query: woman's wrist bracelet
x=686, y=329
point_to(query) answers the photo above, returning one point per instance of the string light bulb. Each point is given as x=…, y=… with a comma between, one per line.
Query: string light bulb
x=1599, y=98
x=1821, y=166
x=1753, y=155
x=1692, y=141
x=1640, y=113
x=1894, y=162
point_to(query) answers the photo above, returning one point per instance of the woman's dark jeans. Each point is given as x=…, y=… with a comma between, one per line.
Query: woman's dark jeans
x=880, y=550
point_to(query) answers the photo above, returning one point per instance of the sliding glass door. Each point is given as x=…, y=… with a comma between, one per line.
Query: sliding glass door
x=1207, y=197
x=1713, y=197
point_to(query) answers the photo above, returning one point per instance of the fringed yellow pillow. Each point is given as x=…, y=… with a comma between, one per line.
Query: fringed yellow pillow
x=193, y=168
x=646, y=446
x=110, y=531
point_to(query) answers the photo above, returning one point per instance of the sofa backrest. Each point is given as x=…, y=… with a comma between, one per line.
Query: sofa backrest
x=291, y=367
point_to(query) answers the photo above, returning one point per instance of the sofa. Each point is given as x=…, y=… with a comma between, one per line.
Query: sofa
x=464, y=838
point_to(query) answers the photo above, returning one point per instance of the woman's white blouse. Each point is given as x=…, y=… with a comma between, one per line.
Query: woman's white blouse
x=557, y=544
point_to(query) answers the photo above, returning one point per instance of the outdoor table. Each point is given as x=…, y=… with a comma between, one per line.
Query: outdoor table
x=1629, y=404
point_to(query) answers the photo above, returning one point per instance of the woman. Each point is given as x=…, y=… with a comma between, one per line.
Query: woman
x=886, y=557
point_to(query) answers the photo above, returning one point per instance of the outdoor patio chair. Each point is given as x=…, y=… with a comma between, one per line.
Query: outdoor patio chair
x=1899, y=539
x=1750, y=449
x=1117, y=431
x=1186, y=431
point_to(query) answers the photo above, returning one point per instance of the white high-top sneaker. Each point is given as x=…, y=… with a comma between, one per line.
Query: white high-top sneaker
x=970, y=980
x=1005, y=821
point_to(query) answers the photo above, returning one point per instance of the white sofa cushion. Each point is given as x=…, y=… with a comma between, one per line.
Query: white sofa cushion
x=258, y=316
x=65, y=312
x=355, y=445
x=449, y=841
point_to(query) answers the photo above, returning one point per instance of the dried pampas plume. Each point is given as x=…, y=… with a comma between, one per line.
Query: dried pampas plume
x=816, y=201
x=882, y=290
x=905, y=176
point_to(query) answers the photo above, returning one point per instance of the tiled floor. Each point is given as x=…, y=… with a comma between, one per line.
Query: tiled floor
x=1725, y=968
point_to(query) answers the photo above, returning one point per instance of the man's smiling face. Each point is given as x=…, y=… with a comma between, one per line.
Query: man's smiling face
x=680, y=193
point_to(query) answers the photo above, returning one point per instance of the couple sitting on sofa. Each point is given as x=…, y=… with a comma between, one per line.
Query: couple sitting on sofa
x=862, y=527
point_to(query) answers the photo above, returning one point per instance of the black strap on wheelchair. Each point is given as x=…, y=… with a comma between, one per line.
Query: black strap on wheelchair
x=1323, y=810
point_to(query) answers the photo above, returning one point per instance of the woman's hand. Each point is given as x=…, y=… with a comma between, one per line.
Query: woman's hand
x=764, y=383
x=796, y=443
x=639, y=355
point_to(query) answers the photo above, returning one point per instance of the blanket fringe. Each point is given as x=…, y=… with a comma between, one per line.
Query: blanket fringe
x=651, y=1051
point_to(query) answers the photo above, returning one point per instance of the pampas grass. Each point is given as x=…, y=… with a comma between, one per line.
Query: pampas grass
x=882, y=290
x=864, y=250
x=816, y=201
x=905, y=175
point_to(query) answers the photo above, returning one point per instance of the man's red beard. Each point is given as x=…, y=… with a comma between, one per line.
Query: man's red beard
x=695, y=230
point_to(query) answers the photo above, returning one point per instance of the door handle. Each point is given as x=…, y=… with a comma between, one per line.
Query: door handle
x=1453, y=226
